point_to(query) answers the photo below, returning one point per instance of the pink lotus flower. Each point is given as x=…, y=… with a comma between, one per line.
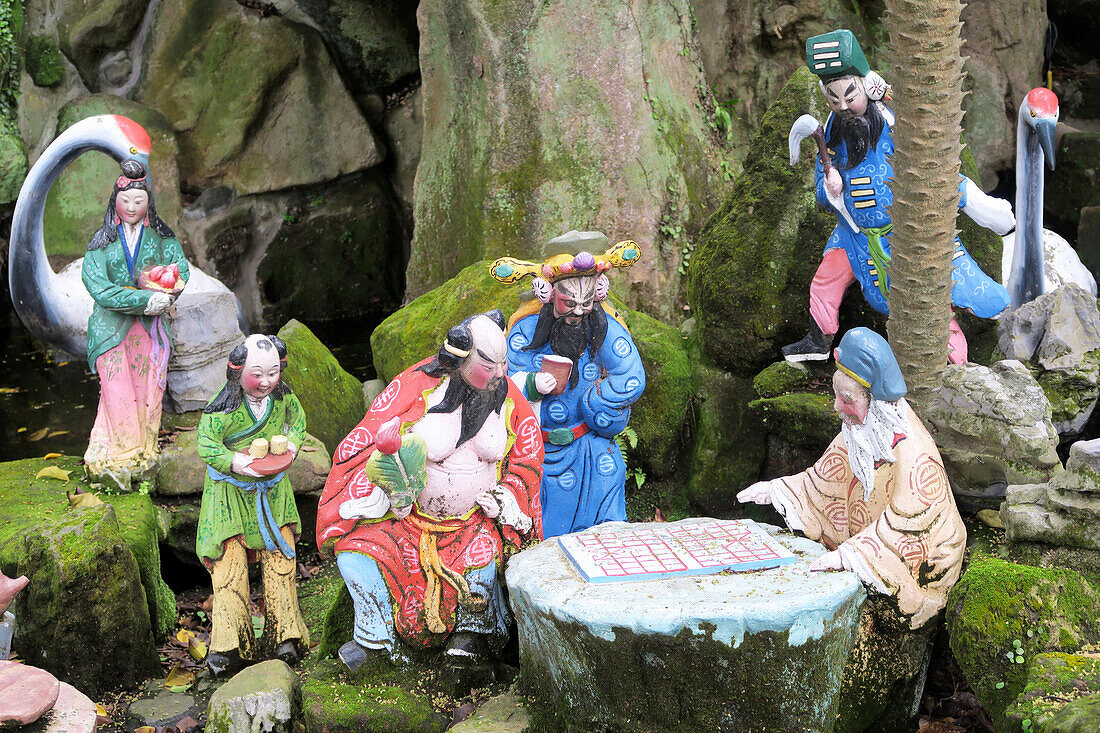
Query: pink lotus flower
x=388, y=439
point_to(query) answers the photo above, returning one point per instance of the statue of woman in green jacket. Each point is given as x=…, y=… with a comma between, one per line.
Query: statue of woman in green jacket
x=128, y=339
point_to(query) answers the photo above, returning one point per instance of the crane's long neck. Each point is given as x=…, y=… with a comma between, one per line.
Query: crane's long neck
x=30, y=277
x=1027, y=260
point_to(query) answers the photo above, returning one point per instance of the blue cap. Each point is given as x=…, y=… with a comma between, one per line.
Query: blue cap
x=867, y=358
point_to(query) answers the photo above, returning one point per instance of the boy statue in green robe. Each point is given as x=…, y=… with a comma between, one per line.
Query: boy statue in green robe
x=248, y=509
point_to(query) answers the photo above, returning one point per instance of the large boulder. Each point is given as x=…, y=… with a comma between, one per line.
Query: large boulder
x=25, y=501
x=542, y=117
x=332, y=398
x=993, y=427
x=244, y=88
x=750, y=273
x=87, y=33
x=1001, y=616
x=1065, y=511
x=730, y=441
x=84, y=616
x=78, y=198
x=374, y=42
x=13, y=163
x=1058, y=333
x=322, y=252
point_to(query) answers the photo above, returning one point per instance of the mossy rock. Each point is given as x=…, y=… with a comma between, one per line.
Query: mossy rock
x=333, y=255
x=730, y=441
x=78, y=198
x=84, y=615
x=246, y=89
x=264, y=696
x=1062, y=695
x=545, y=131
x=25, y=502
x=375, y=42
x=88, y=31
x=1071, y=392
x=13, y=163
x=804, y=419
x=749, y=279
x=998, y=607
x=43, y=61
x=781, y=378
x=658, y=416
x=332, y=703
x=332, y=398
x=417, y=330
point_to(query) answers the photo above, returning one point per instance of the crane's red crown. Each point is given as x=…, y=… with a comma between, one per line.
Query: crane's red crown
x=135, y=133
x=1042, y=102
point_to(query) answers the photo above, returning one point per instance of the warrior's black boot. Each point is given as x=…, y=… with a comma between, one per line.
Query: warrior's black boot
x=814, y=346
x=224, y=664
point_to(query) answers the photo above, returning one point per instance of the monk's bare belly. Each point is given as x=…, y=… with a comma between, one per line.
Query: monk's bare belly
x=454, y=484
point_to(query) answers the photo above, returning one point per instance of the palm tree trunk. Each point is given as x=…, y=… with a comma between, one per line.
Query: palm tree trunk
x=927, y=79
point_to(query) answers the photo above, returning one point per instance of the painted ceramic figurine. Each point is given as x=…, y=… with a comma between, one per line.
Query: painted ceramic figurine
x=879, y=498
x=248, y=435
x=853, y=176
x=9, y=588
x=572, y=328
x=426, y=496
x=128, y=338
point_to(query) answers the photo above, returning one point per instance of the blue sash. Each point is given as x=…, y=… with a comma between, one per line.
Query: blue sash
x=273, y=538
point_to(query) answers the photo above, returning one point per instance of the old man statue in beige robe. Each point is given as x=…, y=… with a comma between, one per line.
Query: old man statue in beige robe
x=878, y=498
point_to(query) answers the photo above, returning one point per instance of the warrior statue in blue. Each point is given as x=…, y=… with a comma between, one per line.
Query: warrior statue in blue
x=853, y=176
x=577, y=364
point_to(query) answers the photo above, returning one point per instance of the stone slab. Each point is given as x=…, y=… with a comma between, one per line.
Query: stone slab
x=689, y=650
x=263, y=697
x=26, y=693
x=74, y=712
x=505, y=713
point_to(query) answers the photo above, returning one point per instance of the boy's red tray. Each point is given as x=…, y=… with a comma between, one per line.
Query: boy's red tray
x=271, y=464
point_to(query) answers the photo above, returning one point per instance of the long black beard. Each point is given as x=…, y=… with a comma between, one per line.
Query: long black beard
x=476, y=404
x=568, y=340
x=859, y=135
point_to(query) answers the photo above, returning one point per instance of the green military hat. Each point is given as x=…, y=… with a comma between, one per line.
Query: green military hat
x=835, y=54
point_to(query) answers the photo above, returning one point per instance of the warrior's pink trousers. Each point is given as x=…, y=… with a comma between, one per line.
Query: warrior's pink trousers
x=833, y=277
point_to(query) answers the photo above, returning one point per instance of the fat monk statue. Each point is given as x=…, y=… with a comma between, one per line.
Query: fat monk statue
x=879, y=498
x=426, y=496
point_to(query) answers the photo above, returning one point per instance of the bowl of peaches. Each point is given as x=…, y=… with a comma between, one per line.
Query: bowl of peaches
x=162, y=279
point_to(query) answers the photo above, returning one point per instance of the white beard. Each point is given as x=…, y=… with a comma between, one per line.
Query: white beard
x=874, y=439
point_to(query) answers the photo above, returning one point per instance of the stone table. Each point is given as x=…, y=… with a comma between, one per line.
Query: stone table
x=762, y=650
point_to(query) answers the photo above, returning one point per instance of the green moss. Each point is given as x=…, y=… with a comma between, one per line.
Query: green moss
x=803, y=419
x=1071, y=392
x=84, y=615
x=729, y=441
x=332, y=398
x=26, y=502
x=140, y=526
x=333, y=704
x=780, y=378
x=13, y=163
x=43, y=60
x=1054, y=682
x=996, y=603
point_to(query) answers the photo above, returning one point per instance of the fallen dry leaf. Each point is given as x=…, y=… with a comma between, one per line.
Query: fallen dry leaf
x=197, y=649
x=186, y=725
x=55, y=433
x=184, y=636
x=48, y=456
x=83, y=501
x=179, y=679
x=101, y=717
x=53, y=472
x=38, y=435
x=309, y=449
